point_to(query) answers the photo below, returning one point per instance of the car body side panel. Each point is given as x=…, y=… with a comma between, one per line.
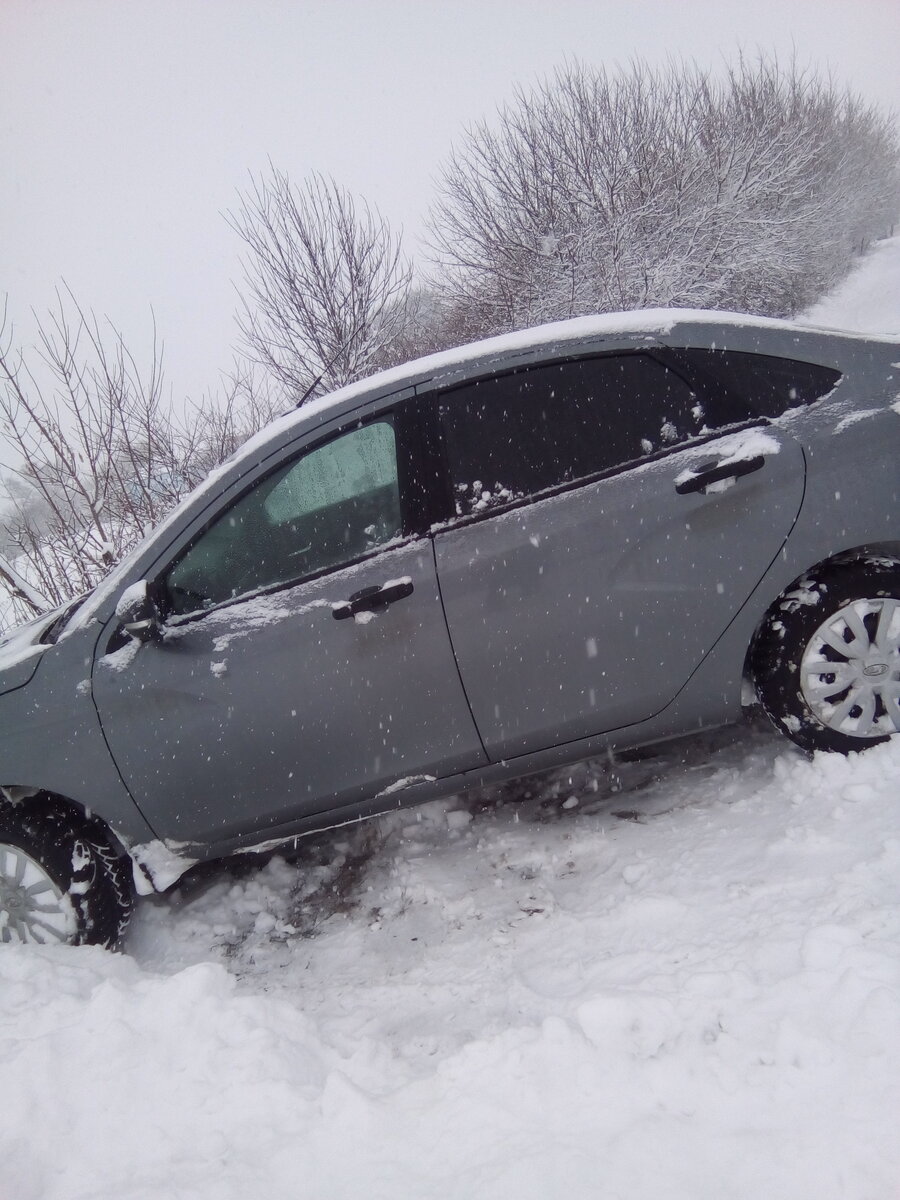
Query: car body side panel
x=841, y=459
x=269, y=709
x=852, y=505
x=50, y=738
x=589, y=610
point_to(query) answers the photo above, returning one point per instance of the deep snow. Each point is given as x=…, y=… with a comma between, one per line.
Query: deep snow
x=672, y=978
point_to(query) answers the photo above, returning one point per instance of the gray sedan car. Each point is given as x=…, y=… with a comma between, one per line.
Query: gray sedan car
x=582, y=538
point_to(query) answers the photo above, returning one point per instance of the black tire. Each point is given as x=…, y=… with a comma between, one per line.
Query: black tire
x=847, y=619
x=61, y=879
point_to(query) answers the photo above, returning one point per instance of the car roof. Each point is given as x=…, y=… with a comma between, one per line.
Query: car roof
x=631, y=329
x=644, y=326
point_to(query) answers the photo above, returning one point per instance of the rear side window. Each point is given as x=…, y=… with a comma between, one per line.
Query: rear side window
x=520, y=433
x=770, y=385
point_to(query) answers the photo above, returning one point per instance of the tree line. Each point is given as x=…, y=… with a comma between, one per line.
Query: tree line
x=593, y=191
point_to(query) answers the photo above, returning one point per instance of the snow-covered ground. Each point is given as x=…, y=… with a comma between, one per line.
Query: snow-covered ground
x=672, y=978
x=868, y=301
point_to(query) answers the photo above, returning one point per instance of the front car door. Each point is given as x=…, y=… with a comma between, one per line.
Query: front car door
x=584, y=572
x=271, y=696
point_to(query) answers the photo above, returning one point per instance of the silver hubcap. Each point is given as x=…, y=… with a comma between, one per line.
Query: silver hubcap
x=850, y=672
x=32, y=908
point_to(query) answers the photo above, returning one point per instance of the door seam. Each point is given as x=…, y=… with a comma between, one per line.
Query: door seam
x=465, y=693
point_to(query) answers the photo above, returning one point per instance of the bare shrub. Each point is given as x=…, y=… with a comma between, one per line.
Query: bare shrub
x=97, y=455
x=596, y=192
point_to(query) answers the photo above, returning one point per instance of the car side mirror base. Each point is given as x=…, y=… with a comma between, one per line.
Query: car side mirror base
x=138, y=613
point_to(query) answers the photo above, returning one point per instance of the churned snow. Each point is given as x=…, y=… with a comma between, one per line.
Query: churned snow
x=157, y=865
x=672, y=979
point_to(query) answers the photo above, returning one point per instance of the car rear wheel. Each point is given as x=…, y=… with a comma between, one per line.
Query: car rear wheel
x=826, y=662
x=61, y=880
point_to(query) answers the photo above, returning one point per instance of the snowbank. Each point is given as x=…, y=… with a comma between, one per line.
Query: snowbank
x=688, y=990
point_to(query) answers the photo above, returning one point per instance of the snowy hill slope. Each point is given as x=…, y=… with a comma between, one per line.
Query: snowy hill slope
x=674, y=978
x=868, y=301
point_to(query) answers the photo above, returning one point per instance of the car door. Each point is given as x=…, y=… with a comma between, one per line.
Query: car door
x=305, y=663
x=608, y=523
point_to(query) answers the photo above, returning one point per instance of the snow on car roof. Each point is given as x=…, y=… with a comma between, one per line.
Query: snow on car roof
x=649, y=322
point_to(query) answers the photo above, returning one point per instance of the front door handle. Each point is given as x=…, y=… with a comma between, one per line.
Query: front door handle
x=700, y=479
x=369, y=599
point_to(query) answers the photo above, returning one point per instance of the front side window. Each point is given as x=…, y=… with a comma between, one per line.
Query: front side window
x=517, y=434
x=325, y=509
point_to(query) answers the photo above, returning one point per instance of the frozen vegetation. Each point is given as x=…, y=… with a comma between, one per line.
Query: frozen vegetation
x=676, y=978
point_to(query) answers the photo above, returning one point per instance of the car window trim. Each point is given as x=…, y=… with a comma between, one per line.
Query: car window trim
x=428, y=399
x=177, y=620
x=694, y=373
x=397, y=417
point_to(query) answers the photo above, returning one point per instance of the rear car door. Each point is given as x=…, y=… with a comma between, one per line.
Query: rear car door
x=608, y=521
x=305, y=663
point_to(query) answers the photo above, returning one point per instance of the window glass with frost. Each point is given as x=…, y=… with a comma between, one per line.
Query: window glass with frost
x=325, y=509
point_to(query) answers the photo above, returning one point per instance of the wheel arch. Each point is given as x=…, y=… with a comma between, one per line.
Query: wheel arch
x=15, y=794
x=882, y=550
x=155, y=865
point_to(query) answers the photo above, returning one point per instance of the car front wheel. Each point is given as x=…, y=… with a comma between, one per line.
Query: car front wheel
x=61, y=880
x=826, y=662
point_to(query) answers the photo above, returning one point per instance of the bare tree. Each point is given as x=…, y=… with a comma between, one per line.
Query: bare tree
x=75, y=421
x=326, y=282
x=22, y=599
x=97, y=455
x=595, y=192
x=206, y=433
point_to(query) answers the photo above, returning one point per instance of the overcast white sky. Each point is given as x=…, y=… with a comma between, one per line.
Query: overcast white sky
x=126, y=126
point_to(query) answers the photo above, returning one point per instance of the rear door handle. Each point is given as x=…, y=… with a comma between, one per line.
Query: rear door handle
x=370, y=599
x=702, y=477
